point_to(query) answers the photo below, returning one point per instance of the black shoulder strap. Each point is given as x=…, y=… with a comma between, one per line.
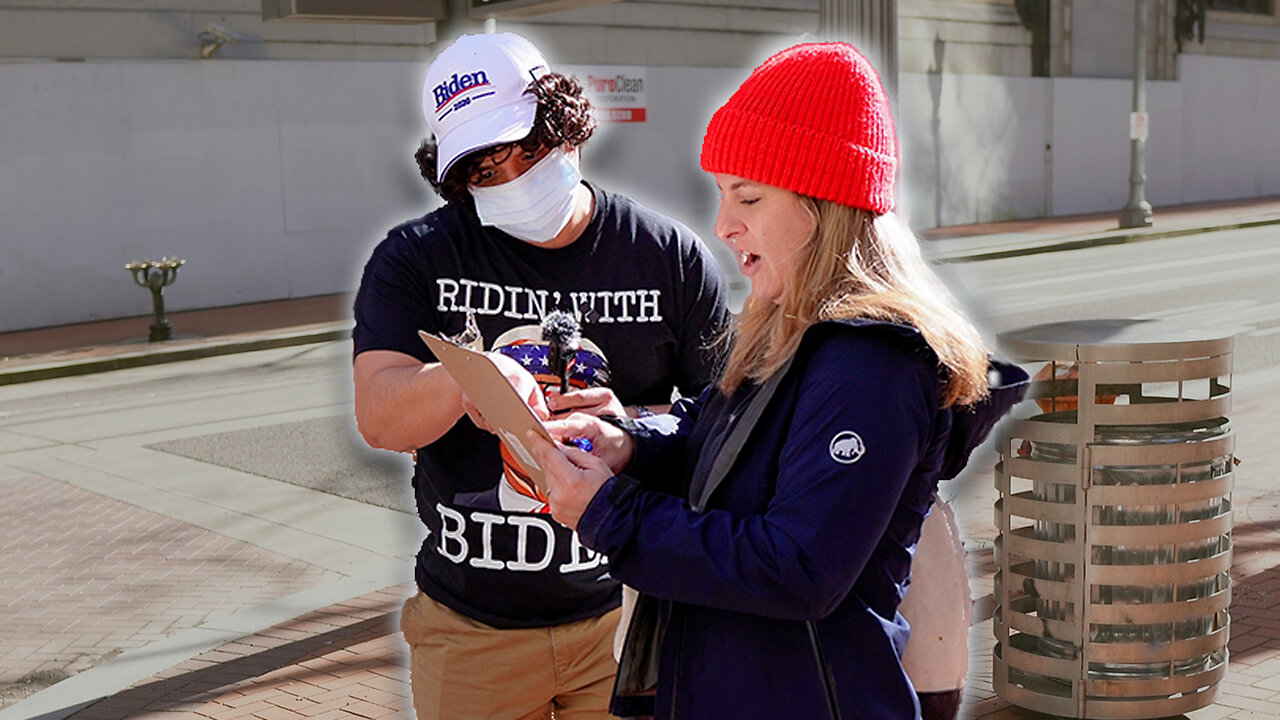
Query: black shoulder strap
x=725, y=457
x=728, y=452
x=638, y=667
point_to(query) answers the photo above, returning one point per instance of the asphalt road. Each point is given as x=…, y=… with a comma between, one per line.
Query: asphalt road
x=1227, y=280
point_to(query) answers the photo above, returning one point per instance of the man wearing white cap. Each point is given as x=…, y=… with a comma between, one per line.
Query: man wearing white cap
x=514, y=618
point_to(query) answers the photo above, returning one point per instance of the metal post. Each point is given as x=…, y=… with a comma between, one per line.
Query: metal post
x=871, y=25
x=1138, y=212
x=156, y=276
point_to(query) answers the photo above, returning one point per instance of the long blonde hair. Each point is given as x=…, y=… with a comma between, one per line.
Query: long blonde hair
x=858, y=264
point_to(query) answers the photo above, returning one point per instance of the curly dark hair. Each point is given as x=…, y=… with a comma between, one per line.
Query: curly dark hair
x=564, y=118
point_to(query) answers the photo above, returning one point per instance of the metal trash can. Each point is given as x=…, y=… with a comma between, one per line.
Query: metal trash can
x=1115, y=518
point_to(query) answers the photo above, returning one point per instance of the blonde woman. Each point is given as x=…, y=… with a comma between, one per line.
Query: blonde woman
x=769, y=525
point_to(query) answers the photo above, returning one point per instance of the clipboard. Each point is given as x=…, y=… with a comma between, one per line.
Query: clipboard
x=488, y=388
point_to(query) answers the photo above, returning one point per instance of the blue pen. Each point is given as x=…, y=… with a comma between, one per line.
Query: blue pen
x=581, y=443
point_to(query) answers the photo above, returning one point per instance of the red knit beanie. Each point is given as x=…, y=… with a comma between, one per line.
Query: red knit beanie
x=813, y=119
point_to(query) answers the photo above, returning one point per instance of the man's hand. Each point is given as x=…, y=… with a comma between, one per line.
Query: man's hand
x=525, y=386
x=593, y=401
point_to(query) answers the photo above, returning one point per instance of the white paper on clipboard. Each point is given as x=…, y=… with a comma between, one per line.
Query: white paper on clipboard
x=501, y=406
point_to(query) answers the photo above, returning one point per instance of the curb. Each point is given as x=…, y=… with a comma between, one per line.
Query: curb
x=213, y=348
x=1120, y=237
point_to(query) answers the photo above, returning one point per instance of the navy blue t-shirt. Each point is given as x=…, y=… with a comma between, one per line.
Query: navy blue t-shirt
x=649, y=298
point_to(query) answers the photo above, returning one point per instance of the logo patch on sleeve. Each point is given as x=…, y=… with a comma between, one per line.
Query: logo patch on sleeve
x=847, y=447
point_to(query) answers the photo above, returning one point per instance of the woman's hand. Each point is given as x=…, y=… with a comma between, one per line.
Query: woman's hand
x=573, y=478
x=610, y=443
x=593, y=401
x=525, y=386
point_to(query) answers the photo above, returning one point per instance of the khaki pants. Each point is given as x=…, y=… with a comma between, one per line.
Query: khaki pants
x=460, y=668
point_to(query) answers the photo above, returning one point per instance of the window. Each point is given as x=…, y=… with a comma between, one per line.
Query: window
x=1262, y=7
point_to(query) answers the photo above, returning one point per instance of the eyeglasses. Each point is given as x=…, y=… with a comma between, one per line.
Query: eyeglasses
x=494, y=156
x=483, y=161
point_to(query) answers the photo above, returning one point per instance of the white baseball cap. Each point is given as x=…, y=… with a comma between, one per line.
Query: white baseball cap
x=474, y=94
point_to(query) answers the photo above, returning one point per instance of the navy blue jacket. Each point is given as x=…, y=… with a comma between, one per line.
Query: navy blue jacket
x=815, y=521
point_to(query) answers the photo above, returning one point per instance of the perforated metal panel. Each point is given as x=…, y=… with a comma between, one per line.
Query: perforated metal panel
x=1114, y=518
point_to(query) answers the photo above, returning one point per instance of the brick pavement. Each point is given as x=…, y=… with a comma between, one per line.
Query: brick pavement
x=87, y=577
x=342, y=662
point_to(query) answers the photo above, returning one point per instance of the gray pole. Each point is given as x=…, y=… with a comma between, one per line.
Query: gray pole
x=458, y=23
x=1138, y=212
x=872, y=26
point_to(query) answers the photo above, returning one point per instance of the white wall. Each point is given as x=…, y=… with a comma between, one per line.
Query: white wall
x=267, y=177
x=1229, y=119
x=274, y=178
x=1091, y=146
x=1212, y=137
x=973, y=147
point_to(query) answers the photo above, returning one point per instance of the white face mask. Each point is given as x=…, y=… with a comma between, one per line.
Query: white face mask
x=536, y=206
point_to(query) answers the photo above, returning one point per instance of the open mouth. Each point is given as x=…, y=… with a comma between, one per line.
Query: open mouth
x=747, y=259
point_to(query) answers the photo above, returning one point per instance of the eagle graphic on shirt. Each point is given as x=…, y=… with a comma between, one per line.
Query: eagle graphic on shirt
x=588, y=368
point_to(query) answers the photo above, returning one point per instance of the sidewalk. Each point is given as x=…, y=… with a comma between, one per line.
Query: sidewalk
x=342, y=659
x=991, y=241
x=45, y=353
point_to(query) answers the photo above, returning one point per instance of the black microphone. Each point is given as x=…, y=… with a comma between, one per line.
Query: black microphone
x=560, y=331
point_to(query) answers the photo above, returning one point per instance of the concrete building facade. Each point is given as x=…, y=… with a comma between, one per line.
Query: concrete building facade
x=272, y=155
